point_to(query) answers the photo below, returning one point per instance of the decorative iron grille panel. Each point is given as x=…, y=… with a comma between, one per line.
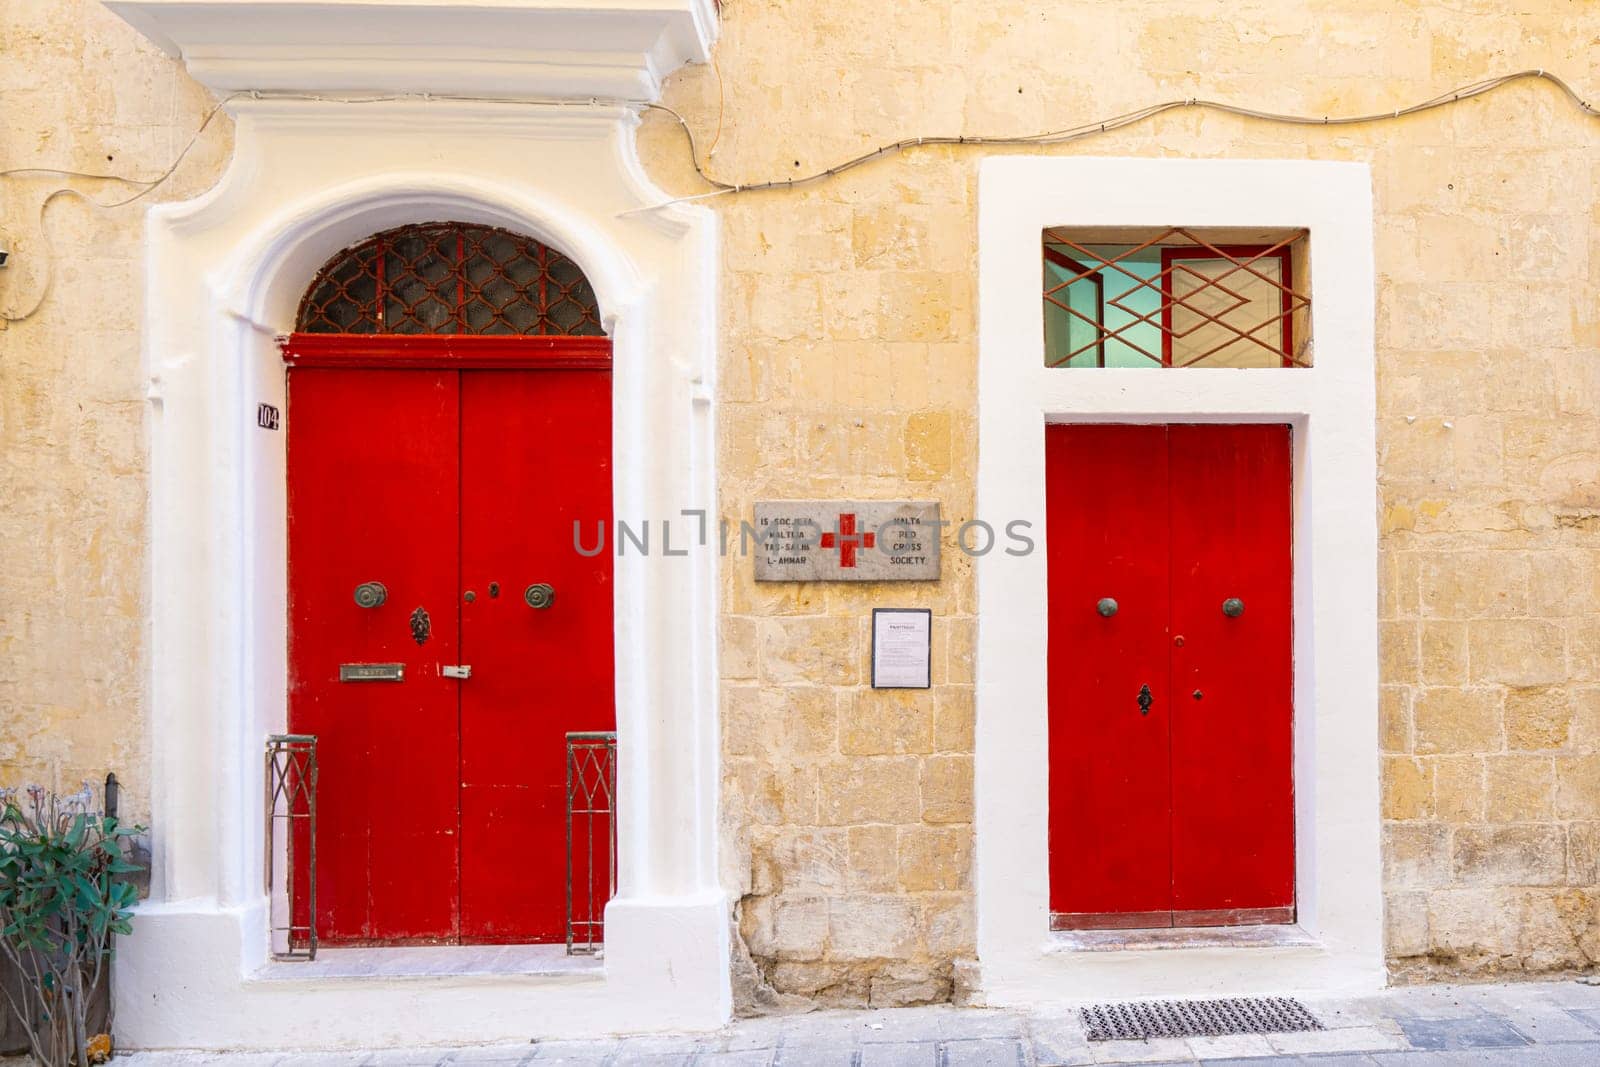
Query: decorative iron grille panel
x=450, y=278
x=1176, y=298
x=291, y=845
x=1140, y=1021
x=591, y=837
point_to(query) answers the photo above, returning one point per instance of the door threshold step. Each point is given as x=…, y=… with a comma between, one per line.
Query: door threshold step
x=435, y=961
x=1181, y=938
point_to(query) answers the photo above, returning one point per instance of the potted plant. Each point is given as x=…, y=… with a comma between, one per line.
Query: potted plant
x=63, y=898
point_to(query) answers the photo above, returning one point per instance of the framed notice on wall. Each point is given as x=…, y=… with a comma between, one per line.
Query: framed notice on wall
x=902, y=643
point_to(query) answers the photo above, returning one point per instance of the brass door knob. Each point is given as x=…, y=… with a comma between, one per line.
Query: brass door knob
x=371, y=595
x=1233, y=607
x=1106, y=607
x=540, y=595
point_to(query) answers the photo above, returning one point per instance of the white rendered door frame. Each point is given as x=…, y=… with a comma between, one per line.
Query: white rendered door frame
x=1337, y=944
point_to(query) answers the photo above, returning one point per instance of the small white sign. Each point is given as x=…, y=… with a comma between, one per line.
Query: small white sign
x=902, y=641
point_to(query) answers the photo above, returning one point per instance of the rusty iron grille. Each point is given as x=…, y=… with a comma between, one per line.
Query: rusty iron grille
x=291, y=845
x=1140, y=1021
x=450, y=278
x=1175, y=298
x=591, y=837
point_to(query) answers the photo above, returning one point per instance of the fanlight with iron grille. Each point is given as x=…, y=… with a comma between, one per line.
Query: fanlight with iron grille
x=450, y=278
x=1176, y=298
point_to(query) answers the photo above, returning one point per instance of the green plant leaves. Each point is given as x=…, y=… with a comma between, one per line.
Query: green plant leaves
x=63, y=895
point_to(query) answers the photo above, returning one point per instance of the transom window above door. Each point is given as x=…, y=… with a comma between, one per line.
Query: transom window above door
x=450, y=278
x=1176, y=297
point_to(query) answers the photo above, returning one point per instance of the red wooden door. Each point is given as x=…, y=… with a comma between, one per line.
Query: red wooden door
x=1232, y=722
x=1108, y=539
x=535, y=459
x=1171, y=795
x=442, y=800
x=372, y=463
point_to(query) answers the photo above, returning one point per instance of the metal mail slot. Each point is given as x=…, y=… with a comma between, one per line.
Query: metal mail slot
x=372, y=672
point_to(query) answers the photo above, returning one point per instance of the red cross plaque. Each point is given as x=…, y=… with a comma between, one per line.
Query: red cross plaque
x=848, y=540
x=842, y=541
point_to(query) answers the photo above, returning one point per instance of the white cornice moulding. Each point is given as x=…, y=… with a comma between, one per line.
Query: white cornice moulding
x=612, y=49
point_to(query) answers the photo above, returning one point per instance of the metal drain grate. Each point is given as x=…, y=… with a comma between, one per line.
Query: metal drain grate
x=1196, y=1018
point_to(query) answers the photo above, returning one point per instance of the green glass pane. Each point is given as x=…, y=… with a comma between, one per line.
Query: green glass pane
x=1071, y=333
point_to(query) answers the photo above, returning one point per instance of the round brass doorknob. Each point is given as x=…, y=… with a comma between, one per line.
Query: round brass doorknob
x=1233, y=607
x=540, y=595
x=1106, y=607
x=371, y=594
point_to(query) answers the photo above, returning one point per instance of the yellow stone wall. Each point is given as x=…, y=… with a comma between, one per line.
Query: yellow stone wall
x=848, y=370
x=79, y=90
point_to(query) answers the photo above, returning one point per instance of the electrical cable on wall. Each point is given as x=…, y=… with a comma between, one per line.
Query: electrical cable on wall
x=1128, y=118
x=722, y=187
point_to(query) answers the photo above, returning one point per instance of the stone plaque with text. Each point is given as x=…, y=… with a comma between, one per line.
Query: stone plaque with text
x=846, y=541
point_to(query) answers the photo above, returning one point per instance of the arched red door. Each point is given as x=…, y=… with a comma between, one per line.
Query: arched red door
x=448, y=421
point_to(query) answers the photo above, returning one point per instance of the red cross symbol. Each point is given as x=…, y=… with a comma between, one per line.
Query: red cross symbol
x=848, y=540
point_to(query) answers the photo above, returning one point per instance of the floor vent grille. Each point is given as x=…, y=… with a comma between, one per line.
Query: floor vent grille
x=1196, y=1018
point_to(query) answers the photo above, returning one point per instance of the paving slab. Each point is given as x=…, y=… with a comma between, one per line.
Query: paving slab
x=1569, y=1055
x=488, y=1057
x=982, y=1052
x=1477, y=1057
x=1344, y=1039
x=1546, y=1024
x=899, y=1054
x=1590, y=1017
x=981, y=1022
x=545, y=1051
x=900, y=1025
x=813, y=1054
x=1479, y=1031
x=1230, y=1046
x=1155, y=1050
x=1058, y=1042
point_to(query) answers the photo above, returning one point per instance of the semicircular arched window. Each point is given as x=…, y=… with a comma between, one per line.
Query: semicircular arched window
x=450, y=278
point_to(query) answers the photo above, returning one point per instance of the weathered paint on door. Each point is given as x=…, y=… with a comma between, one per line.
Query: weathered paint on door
x=441, y=800
x=1171, y=784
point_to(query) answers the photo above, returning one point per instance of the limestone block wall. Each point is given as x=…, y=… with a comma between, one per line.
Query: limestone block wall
x=79, y=90
x=848, y=356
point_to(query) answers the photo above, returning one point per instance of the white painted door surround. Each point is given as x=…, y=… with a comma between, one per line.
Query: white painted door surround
x=225, y=271
x=1338, y=942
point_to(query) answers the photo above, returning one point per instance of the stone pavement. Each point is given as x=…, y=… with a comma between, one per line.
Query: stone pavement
x=1540, y=1024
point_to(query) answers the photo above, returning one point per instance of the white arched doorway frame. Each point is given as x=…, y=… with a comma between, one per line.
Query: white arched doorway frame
x=225, y=274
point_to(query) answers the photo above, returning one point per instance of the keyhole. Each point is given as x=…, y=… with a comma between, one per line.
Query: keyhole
x=494, y=590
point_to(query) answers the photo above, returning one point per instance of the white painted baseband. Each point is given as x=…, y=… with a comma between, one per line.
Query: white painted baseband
x=184, y=982
x=1332, y=409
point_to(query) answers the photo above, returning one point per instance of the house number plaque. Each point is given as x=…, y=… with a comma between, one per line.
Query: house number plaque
x=847, y=541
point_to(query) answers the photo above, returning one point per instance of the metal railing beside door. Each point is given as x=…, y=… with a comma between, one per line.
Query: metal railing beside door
x=291, y=807
x=591, y=837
